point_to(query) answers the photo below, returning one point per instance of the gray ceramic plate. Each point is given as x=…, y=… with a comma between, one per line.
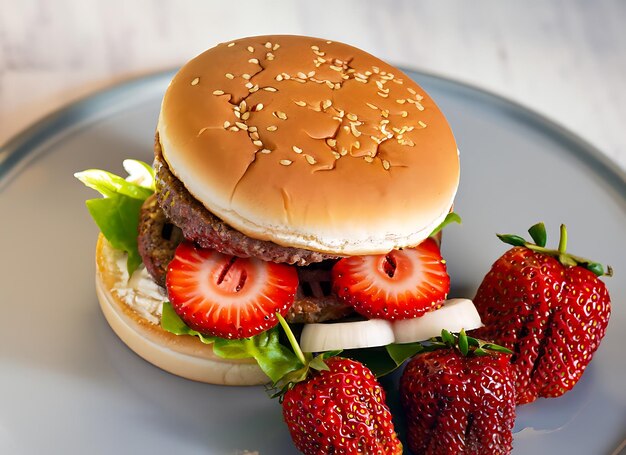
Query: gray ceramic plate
x=70, y=386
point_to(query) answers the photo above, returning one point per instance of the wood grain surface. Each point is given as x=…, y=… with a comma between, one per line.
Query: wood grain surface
x=564, y=59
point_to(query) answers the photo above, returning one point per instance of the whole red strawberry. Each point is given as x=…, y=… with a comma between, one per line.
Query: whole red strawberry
x=340, y=410
x=458, y=403
x=549, y=308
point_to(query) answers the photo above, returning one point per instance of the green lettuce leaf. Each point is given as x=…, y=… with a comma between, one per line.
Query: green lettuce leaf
x=450, y=218
x=273, y=358
x=117, y=212
x=172, y=323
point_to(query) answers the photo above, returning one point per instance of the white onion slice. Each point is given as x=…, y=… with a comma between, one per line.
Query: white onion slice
x=454, y=315
x=346, y=335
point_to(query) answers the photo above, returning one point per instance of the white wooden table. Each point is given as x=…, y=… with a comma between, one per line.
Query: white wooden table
x=564, y=59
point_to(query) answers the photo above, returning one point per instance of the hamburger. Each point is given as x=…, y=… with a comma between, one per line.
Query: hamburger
x=289, y=173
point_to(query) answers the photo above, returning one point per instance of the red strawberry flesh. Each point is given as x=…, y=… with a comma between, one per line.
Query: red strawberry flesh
x=341, y=410
x=398, y=285
x=458, y=405
x=227, y=296
x=551, y=316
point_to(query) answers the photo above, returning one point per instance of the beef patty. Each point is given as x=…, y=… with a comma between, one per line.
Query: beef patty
x=314, y=302
x=208, y=231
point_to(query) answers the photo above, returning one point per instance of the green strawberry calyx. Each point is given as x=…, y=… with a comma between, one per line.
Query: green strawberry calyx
x=308, y=362
x=466, y=345
x=538, y=234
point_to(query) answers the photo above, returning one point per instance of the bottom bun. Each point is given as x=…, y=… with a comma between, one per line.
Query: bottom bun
x=182, y=355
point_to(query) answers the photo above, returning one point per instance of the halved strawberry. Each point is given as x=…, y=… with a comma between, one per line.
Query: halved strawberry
x=398, y=285
x=227, y=296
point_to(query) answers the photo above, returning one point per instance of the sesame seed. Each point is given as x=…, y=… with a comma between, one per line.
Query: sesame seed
x=258, y=107
x=253, y=129
x=311, y=73
x=253, y=89
x=321, y=60
x=285, y=162
x=337, y=118
x=344, y=151
x=250, y=49
x=246, y=76
x=253, y=134
x=218, y=92
x=231, y=44
x=352, y=117
x=195, y=81
x=411, y=101
x=398, y=81
x=376, y=69
x=380, y=85
x=330, y=84
x=336, y=155
x=281, y=115
x=326, y=104
x=310, y=159
x=253, y=60
x=346, y=128
x=358, y=79
x=384, y=95
x=404, y=114
x=300, y=103
x=375, y=139
x=242, y=126
x=386, y=164
x=271, y=128
x=335, y=68
x=419, y=97
x=297, y=149
x=270, y=89
x=258, y=143
x=268, y=45
x=249, y=85
x=419, y=106
x=279, y=78
x=354, y=131
x=237, y=114
x=357, y=145
x=422, y=124
x=369, y=159
x=229, y=76
x=368, y=73
x=400, y=101
x=301, y=75
x=385, y=113
x=266, y=151
x=243, y=106
x=245, y=116
x=269, y=56
x=411, y=91
x=370, y=105
x=275, y=47
x=315, y=48
x=329, y=42
x=226, y=124
x=233, y=128
x=337, y=86
x=286, y=76
x=332, y=142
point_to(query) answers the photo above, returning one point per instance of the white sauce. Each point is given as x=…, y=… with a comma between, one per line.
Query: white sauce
x=140, y=293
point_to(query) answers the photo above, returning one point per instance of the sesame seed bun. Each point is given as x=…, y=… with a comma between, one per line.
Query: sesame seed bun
x=182, y=355
x=311, y=144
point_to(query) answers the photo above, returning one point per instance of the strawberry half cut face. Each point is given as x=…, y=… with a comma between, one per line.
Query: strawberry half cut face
x=228, y=296
x=401, y=284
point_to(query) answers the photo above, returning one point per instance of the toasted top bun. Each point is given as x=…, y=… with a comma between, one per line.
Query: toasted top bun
x=311, y=144
x=182, y=355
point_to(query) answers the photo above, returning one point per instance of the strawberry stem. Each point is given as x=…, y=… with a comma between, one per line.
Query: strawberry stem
x=292, y=339
x=563, y=240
